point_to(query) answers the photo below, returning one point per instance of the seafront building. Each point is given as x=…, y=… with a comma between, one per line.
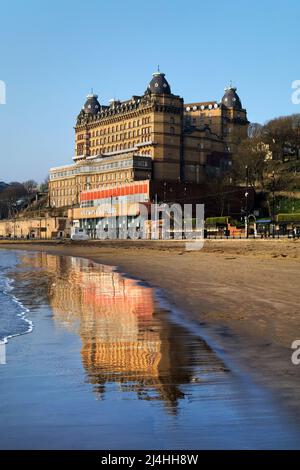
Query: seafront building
x=150, y=137
x=151, y=148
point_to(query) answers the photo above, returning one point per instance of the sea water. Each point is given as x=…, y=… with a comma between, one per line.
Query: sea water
x=13, y=315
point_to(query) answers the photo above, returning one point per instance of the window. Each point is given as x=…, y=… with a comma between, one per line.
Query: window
x=172, y=130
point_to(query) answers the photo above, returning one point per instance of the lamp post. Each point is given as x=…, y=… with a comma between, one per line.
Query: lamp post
x=165, y=190
x=246, y=197
x=273, y=204
x=254, y=223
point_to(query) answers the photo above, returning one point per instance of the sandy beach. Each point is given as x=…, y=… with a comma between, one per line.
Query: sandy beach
x=244, y=294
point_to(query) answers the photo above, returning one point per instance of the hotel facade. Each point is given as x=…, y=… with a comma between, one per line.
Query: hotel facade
x=153, y=137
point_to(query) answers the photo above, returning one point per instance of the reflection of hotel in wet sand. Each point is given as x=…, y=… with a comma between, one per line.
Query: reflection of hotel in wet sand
x=124, y=341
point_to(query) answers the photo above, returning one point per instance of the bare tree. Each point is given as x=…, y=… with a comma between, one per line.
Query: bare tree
x=254, y=130
x=43, y=187
x=30, y=187
x=282, y=134
x=251, y=153
x=9, y=197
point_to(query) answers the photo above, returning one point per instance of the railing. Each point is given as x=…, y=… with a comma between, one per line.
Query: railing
x=259, y=236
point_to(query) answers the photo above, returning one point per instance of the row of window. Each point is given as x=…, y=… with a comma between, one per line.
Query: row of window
x=69, y=191
x=118, y=127
x=127, y=135
x=114, y=148
x=60, y=202
x=64, y=192
x=93, y=169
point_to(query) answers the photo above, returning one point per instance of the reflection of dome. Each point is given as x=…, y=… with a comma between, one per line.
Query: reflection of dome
x=159, y=84
x=231, y=98
x=92, y=105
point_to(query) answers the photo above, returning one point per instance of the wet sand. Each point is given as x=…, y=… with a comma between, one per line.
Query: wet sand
x=108, y=367
x=244, y=295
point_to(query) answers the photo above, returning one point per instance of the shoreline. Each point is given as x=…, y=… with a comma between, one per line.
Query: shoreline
x=22, y=314
x=243, y=295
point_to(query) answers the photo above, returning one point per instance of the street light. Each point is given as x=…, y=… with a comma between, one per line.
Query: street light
x=165, y=189
x=273, y=204
x=246, y=196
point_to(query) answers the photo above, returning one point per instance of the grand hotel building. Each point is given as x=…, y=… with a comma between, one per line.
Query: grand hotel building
x=155, y=136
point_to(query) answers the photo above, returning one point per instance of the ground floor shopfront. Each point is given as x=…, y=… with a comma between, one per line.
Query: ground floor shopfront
x=111, y=212
x=141, y=209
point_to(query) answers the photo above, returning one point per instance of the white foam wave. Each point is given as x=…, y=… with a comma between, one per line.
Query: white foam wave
x=24, y=310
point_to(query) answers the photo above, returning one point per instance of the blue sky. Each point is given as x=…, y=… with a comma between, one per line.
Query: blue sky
x=53, y=52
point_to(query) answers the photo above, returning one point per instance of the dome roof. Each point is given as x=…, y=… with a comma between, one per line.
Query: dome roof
x=231, y=98
x=92, y=105
x=159, y=84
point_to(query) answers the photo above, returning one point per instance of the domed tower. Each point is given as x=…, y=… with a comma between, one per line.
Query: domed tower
x=234, y=118
x=82, y=136
x=231, y=99
x=166, y=128
x=159, y=85
x=92, y=105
